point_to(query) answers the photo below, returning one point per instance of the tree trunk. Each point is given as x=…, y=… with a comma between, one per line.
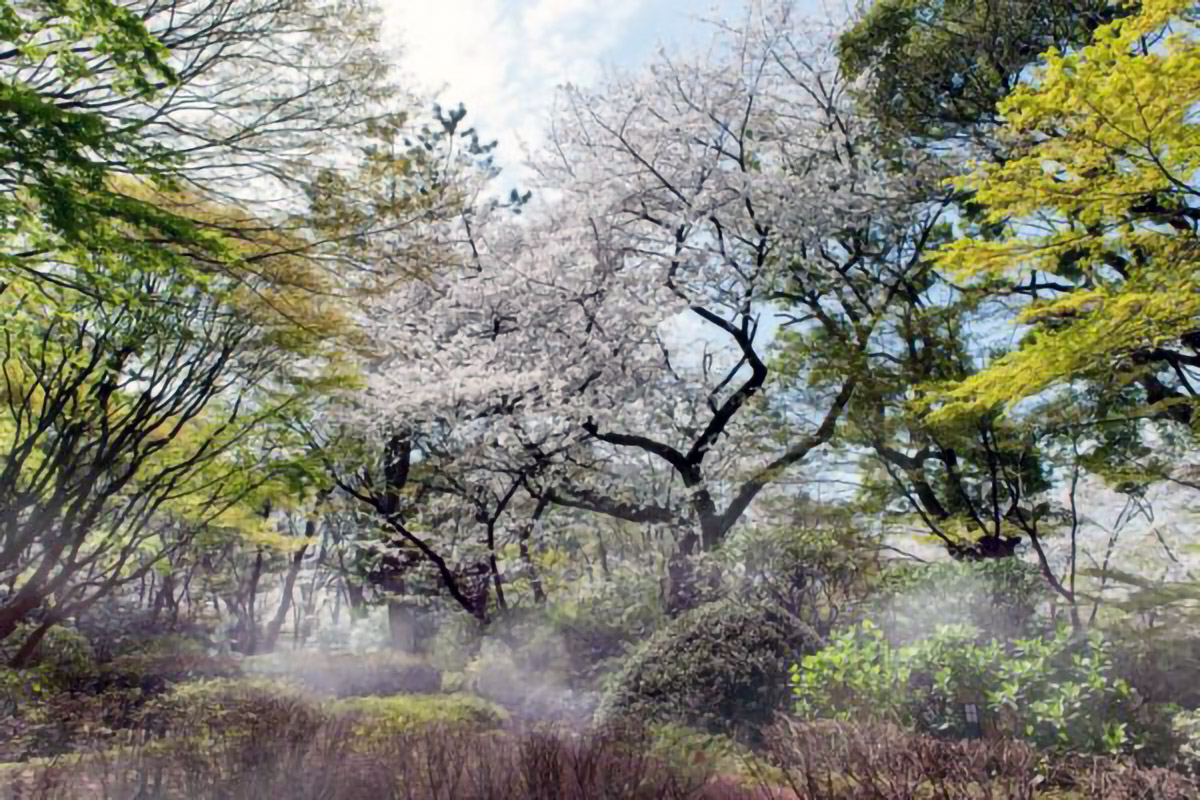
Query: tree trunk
x=185, y=599
x=311, y=608
x=337, y=607
x=497, y=581
x=13, y=614
x=250, y=646
x=602, y=552
x=297, y=620
x=535, y=579
x=402, y=626
x=285, y=603
x=25, y=652
x=687, y=587
x=165, y=598
x=356, y=597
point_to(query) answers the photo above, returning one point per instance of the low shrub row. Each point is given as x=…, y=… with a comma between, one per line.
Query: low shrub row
x=328, y=760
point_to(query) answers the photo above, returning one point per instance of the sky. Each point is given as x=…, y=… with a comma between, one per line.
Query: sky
x=504, y=58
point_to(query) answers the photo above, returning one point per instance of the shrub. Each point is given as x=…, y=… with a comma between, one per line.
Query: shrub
x=700, y=753
x=526, y=685
x=63, y=660
x=819, y=573
x=574, y=641
x=423, y=763
x=602, y=622
x=65, y=702
x=823, y=761
x=386, y=716
x=455, y=642
x=1186, y=726
x=116, y=628
x=1058, y=693
x=830, y=760
x=163, y=662
x=1063, y=694
x=548, y=662
x=64, y=723
x=374, y=674
x=1161, y=665
x=39, y=703
x=857, y=675
x=609, y=764
x=251, y=711
x=720, y=668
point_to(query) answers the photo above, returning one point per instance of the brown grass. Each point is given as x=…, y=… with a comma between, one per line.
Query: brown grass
x=837, y=761
x=286, y=750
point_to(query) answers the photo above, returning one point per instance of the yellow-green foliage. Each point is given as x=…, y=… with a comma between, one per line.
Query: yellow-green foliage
x=381, y=717
x=66, y=355
x=1107, y=149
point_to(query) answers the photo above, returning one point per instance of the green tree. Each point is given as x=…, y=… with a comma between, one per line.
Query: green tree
x=933, y=72
x=1098, y=214
x=937, y=69
x=232, y=103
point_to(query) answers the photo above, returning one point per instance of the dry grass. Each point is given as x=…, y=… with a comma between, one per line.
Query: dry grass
x=836, y=761
x=248, y=741
x=287, y=752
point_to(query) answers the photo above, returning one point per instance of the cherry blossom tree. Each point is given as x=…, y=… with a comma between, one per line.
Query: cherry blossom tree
x=622, y=325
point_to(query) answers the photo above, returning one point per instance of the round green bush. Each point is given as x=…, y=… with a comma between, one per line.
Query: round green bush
x=161, y=663
x=255, y=710
x=720, y=668
x=62, y=661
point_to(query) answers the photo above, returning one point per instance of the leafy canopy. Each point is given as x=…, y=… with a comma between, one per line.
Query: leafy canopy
x=1101, y=197
x=937, y=68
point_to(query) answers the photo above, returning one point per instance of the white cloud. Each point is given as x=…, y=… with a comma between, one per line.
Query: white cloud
x=504, y=60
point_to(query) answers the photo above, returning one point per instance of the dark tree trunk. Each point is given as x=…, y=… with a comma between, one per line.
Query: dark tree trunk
x=165, y=598
x=15, y=612
x=285, y=602
x=535, y=578
x=356, y=597
x=687, y=586
x=25, y=652
x=250, y=645
x=988, y=547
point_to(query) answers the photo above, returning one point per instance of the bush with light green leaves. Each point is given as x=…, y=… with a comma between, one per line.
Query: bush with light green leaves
x=63, y=661
x=1059, y=693
x=1186, y=727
